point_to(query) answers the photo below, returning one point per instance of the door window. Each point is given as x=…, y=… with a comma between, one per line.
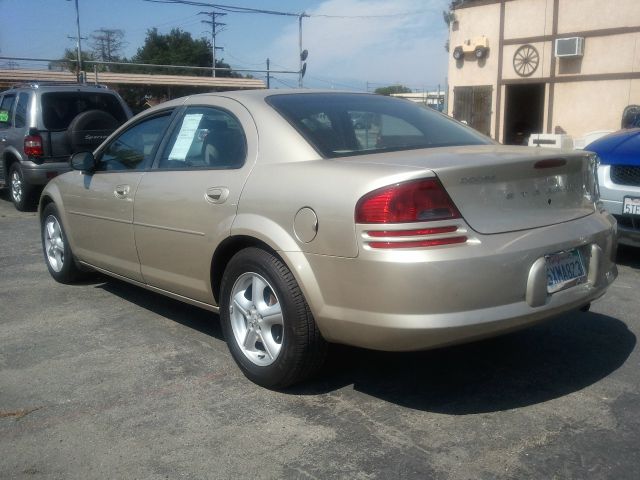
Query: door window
x=6, y=110
x=134, y=149
x=205, y=138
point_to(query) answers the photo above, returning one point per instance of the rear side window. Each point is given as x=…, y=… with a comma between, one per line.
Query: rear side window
x=21, y=110
x=206, y=137
x=59, y=108
x=339, y=125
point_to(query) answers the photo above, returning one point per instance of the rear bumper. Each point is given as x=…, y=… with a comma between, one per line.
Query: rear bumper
x=41, y=174
x=425, y=298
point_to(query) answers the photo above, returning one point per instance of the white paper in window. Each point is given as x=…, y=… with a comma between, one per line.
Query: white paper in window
x=185, y=137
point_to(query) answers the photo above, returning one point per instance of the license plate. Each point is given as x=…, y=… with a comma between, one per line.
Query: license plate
x=631, y=206
x=564, y=269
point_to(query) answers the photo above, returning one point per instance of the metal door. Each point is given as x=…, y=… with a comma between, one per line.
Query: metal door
x=185, y=206
x=99, y=205
x=473, y=106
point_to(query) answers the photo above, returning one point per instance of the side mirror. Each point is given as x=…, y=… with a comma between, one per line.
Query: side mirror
x=83, y=161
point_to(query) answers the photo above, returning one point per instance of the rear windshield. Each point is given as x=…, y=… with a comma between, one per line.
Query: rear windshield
x=339, y=125
x=59, y=108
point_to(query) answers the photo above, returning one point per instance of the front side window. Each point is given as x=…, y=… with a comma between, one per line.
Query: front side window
x=133, y=149
x=205, y=138
x=339, y=125
x=6, y=110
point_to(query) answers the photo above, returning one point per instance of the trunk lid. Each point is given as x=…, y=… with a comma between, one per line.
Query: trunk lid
x=501, y=189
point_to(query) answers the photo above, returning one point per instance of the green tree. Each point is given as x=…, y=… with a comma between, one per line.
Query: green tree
x=178, y=48
x=69, y=60
x=174, y=48
x=392, y=89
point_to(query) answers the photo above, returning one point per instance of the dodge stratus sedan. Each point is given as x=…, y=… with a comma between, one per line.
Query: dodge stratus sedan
x=302, y=225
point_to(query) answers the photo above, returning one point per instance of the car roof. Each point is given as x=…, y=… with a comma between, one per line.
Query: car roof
x=264, y=93
x=245, y=97
x=49, y=87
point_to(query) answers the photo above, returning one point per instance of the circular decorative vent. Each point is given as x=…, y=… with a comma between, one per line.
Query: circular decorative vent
x=526, y=60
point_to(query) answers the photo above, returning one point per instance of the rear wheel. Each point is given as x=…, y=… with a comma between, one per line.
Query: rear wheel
x=21, y=192
x=267, y=323
x=56, y=248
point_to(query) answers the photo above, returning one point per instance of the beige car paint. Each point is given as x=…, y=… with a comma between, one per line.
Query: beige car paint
x=100, y=220
x=178, y=224
x=385, y=299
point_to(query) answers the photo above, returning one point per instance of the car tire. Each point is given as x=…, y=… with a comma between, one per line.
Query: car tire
x=272, y=335
x=458, y=53
x=480, y=52
x=21, y=192
x=55, y=246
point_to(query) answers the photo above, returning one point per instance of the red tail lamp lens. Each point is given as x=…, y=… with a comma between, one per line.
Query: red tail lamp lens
x=33, y=145
x=416, y=201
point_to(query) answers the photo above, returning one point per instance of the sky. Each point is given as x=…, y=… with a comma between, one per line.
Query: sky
x=400, y=41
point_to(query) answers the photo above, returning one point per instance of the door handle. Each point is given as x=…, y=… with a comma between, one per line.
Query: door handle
x=216, y=194
x=121, y=191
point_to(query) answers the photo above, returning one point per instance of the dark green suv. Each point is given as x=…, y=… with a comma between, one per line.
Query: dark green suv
x=41, y=125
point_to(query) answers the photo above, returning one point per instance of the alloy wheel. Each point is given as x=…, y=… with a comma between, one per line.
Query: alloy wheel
x=256, y=319
x=54, y=243
x=16, y=187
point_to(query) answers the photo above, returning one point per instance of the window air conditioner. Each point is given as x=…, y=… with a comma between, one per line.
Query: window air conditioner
x=570, y=47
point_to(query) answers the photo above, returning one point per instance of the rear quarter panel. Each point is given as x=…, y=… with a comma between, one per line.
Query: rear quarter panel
x=275, y=193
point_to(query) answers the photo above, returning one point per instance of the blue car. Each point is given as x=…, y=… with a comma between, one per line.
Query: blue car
x=619, y=179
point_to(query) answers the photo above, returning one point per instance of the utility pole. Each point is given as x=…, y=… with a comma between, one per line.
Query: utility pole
x=302, y=55
x=268, y=76
x=214, y=32
x=78, y=46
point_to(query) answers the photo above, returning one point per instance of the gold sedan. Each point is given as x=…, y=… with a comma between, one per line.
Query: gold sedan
x=308, y=217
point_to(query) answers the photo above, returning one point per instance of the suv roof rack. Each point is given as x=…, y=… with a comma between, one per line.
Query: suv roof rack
x=37, y=84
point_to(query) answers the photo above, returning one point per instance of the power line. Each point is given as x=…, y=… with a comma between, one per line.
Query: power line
x=236, y=9
x=286, y=84
x=246, y=62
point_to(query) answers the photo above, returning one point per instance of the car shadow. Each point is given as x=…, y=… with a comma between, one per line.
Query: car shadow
x=628, y=256
x=5, y=196
x=182, y=313
x=524, y=368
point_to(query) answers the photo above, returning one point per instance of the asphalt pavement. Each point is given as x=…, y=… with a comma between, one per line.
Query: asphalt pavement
x=104, y=380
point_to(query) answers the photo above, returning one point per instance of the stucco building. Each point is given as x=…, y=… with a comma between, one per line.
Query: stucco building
x=543, y=66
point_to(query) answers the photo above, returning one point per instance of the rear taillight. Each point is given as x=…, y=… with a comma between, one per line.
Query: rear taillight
x=415, y=201
x=33, y=146
x=410, y=202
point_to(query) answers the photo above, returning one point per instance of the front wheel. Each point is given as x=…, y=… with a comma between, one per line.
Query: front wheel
x=56, y=248
x=267, y=323
x=480, y=52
